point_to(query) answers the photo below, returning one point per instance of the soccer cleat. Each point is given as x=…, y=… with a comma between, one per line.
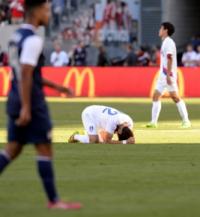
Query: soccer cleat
x=71, y=138
x=151, y=125
x=60, y=205
x=186, y=124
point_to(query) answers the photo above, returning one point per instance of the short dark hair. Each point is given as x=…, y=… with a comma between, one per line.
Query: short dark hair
x=34, y=3
x=126, y=134
x=169, y=27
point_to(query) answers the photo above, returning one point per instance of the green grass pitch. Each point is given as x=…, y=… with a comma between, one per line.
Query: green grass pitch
x=157, y=177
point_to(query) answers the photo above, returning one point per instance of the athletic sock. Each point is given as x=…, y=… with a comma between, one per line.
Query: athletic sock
x=4, y=160
x=82, y=138
x=45, y=169
x=182, y=110
x=156, y=108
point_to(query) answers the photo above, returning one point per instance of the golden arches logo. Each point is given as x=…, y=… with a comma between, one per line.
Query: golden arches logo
x=80, y=77
x=181, y=84
x=6, y=80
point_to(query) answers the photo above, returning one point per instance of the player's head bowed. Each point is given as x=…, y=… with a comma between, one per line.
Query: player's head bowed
x=125, y=133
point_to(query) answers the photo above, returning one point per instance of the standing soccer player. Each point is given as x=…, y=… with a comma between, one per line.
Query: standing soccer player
x=168, y=77
x=28, y=116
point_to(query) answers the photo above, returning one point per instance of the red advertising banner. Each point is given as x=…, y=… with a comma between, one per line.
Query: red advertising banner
x=112, y=82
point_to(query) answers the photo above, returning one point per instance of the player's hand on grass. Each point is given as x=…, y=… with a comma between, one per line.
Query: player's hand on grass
x=131, y=140
x=24, y=117
x=169, y=81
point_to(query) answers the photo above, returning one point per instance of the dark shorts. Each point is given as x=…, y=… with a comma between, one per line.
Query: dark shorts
x=38, y=131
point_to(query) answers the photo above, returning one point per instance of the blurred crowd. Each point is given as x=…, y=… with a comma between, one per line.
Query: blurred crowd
x=11, y=12
x=117, y=15
x=78, y=55
x=76, y=43
x=191, y=56
x=132, y=55
x=87, y=49
x=87, y=53
x=82, y=28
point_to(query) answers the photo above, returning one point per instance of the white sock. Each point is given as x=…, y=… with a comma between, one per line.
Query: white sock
x=182, y=110
x=82, y=138
x=156, y=108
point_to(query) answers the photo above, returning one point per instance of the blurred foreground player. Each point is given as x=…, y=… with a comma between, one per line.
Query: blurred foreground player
x=28, y=116
x=101, y=123
x=168, y=77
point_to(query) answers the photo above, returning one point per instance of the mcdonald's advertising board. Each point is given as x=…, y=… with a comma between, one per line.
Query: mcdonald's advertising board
x=110, y=82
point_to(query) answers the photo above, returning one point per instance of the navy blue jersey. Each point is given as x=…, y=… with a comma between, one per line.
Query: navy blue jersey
x=19, y=42
x=26, y=47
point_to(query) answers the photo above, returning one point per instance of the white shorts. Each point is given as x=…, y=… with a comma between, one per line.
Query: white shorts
x=89, y=122
x=162, y=85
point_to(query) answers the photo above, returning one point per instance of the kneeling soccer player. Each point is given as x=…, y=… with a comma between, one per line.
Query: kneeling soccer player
x=28, y=116
x=101, y=123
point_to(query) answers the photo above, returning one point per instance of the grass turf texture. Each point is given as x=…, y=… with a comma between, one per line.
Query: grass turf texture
x=158, y=177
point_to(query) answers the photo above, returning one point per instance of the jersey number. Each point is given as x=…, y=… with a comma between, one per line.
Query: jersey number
x=110, y=111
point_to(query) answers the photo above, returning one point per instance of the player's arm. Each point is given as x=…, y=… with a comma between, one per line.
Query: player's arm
x=57, y=87
x=108, y=138
x=169, y=68
x=25, y=87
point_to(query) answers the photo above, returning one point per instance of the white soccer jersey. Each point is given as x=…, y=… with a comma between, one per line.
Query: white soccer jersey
x=96, y=118
x=168, y=47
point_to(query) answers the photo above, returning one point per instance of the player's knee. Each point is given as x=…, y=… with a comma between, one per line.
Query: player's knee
x=156, y=97
x=13, y=150
x=176, y=99
x=44, y=150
